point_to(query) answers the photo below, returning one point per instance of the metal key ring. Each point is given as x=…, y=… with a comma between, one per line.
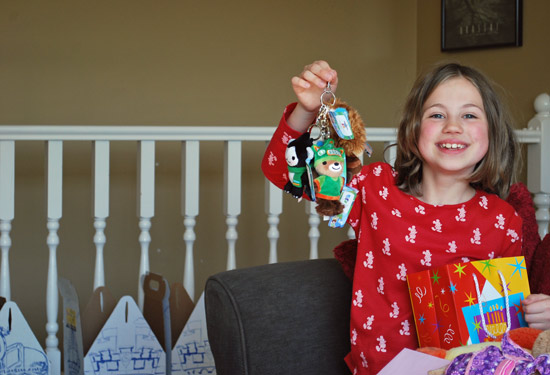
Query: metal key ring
x=328, y=91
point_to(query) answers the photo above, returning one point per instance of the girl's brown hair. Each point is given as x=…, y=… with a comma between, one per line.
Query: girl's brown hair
x=495, y=172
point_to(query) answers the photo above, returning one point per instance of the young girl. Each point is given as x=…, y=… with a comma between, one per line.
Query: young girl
x=456, y=155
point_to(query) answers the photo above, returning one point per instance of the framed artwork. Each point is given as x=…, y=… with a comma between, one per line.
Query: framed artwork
x=467, y=24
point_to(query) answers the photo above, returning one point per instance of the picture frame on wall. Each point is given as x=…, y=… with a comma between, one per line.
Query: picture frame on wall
x=470, y=24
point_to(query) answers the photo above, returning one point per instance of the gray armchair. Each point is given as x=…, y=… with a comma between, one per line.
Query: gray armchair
x=283, y=318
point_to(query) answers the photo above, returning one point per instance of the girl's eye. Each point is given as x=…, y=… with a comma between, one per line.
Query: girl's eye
x=470, y=116
x=436, y=115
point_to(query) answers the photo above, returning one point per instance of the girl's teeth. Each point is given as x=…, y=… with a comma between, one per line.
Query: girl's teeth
x=453, y=146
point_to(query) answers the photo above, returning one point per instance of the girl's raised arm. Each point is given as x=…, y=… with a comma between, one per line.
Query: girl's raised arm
x=308, y=87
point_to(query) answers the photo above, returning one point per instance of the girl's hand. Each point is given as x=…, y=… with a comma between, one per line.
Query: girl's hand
x=537, y=311
x=308, y=87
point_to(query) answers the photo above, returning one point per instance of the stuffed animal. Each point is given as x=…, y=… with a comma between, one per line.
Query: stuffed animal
x=298, y=155
x=329, y=163
x=355, y=147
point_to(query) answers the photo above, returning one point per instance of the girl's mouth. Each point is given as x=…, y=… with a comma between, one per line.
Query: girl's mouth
x=451, y=146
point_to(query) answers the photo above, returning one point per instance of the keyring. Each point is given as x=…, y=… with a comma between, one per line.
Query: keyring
x=328, y=91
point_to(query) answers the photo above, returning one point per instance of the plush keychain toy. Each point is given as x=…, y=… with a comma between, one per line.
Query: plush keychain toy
x=330, y=165
x=336, y=153
x=353, y=147
x=299, y=154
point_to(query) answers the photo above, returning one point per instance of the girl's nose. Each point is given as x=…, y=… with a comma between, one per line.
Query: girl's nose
x=452, y=126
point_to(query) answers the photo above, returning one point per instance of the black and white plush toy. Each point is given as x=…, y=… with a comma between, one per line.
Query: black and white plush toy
x=299, y=154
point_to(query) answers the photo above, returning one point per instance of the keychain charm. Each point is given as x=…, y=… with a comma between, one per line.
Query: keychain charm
x=328, y=99
x=321, y=166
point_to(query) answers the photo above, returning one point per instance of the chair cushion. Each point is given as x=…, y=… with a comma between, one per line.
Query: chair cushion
x=282, y=318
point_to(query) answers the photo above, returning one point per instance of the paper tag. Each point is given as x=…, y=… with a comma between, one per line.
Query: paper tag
x=340, y=121
x=347, y=198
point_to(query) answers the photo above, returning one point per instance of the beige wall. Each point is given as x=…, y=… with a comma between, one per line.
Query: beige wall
x=176, y=63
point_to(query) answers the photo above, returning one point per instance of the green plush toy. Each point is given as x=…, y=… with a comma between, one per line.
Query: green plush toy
x=330, y=165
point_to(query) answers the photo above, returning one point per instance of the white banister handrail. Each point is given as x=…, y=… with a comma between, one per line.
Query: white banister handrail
x=157, y=133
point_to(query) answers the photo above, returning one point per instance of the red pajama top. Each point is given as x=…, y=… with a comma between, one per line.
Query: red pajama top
x=399, y=234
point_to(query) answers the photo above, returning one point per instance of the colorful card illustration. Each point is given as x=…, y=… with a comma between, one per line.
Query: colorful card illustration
x=446, y=304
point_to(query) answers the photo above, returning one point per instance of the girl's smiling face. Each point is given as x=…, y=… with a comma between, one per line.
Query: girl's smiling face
x=454, y=132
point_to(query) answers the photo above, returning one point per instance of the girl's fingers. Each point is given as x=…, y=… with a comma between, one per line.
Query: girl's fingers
x=319, y=73
x=299, y=82
x=537, y=311
x=314, y=79
x=536, y=301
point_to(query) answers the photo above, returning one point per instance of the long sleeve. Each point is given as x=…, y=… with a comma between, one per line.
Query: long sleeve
x=274, y=164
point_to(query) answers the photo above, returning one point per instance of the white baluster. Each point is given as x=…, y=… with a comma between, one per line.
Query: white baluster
x=542, y=203
x=314, y=220
x=390, y=153
x=232, y=204
x=190, y=209
x=538, y=166
x=7, y=199
x=351, y=233
x=54, y=185
x=146, y=206
x=273, y=208
x=101, y=206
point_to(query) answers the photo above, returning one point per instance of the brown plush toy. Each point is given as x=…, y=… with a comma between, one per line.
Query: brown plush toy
x=542, y=344
x=352, y=147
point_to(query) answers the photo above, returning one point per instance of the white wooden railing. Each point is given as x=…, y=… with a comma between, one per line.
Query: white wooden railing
x=536, y=137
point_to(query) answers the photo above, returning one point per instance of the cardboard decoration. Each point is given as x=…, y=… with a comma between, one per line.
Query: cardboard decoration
x=181, y=307
x=20, y=351
x=446, y=304
x=73, y=354
x=192, y=354
x=156, y=311
x=95, y=315
x=126, y=345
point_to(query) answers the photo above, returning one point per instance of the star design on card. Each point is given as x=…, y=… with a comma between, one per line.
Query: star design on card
x=430, y=305
x=518, y=267
x=502, y=287
x=452, y=288
x=421, y=319
x=477, y=325
x=519, y=309
x=437, y=326
x=435, y=277
x=459, y=268
x=487, y=264
x=470, y=299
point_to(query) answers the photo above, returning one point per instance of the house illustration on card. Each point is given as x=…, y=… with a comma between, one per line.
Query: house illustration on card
x=126, y=345
x=20, y=352
x=192, y=355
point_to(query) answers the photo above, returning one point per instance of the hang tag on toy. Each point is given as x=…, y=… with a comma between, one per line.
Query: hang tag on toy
x=340, y=121
x=347, y=198
x=368, y=149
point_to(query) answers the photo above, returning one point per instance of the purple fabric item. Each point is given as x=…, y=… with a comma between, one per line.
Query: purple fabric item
x=511, y=359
